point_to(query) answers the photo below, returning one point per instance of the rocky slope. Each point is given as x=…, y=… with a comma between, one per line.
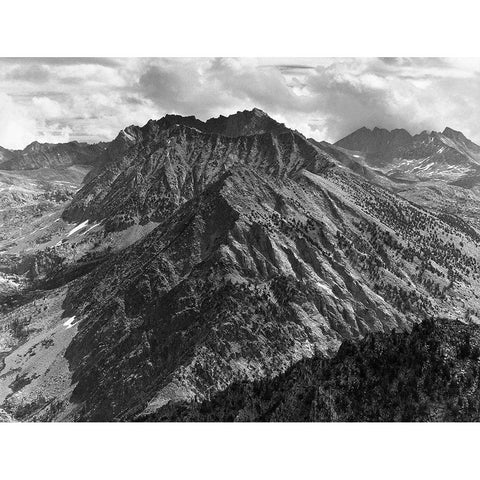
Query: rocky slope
x=431, y=374
x=220, y=250
x=151, y=170
x=438, y=171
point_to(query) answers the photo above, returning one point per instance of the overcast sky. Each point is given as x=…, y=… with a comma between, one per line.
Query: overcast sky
x=58, y=100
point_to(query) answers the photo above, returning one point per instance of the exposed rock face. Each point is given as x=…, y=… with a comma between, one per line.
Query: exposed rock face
x=461, y=141
x=153, y=169
x=51, y=155
x=429, y=375
x=244, y=123
x=269, y=250
x=378, y=141
x=266, y=248
x=240, y=281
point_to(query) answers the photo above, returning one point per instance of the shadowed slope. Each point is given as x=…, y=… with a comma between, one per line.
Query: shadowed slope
x=431, y=374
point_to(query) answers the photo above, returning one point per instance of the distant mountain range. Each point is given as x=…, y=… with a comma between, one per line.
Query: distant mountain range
x=448, y=156
x=45, y=155
x=195, y=255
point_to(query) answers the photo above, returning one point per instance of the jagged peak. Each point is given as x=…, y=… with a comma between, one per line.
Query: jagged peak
x=34, y=145
x=254, y=112
x=453, y=134
x=241, y=123
x=378, y=139
x=450, y=130
x=377, y=130
x=258, y=112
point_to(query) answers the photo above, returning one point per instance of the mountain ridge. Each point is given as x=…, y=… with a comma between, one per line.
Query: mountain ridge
x=47, y=155
x=174, y=155
x=190, y=260
x=430, y=374
x=448, y=156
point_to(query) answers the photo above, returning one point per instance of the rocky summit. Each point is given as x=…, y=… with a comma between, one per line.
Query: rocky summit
x=194, y=256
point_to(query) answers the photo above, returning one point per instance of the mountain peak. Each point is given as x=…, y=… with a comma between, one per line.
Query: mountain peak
x=241, y=123
x=33, y=146
x=376, y=140
x=257, y=112
x=248, y=122
x=453, y=134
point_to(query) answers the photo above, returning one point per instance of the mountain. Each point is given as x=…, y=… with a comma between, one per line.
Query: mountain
x=198, y=254
x=437, y=171
x=50, y=155
x=149, y=171
x=430, y=374
x=447, y=156
x=377, y=142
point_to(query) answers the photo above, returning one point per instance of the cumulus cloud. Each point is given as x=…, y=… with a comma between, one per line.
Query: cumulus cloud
x=17, y=127
x=327, y=98
x=21, y=125
x=48, y=108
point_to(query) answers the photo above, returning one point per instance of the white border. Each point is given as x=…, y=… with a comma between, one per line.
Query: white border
x=240, y=451
x=247, y=28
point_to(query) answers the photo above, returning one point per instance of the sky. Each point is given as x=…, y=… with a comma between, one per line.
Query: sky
x=92, y=99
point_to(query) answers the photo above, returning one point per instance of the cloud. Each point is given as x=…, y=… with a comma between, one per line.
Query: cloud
x=112, y=62
x=91, y=99
x=47, y=108
x=29, y=73
x=17, y=127
x=20, y=125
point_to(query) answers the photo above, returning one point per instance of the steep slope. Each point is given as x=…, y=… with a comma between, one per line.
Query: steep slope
x=266, y=248
x=51, y=155
x=429, y=375
x=248, y=122
x=378, y=142
x=252, y=274
x=232, y=285
x=153, y=169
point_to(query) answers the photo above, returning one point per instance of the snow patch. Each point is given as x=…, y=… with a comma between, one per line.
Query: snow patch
x=93, y=226
x=77, y=228
x=69, y=323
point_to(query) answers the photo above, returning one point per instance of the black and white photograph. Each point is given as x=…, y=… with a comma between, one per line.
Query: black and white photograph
x=315, y=259
x=204, y=239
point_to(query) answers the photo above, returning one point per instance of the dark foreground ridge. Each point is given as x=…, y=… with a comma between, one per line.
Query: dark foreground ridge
x=431, y=374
